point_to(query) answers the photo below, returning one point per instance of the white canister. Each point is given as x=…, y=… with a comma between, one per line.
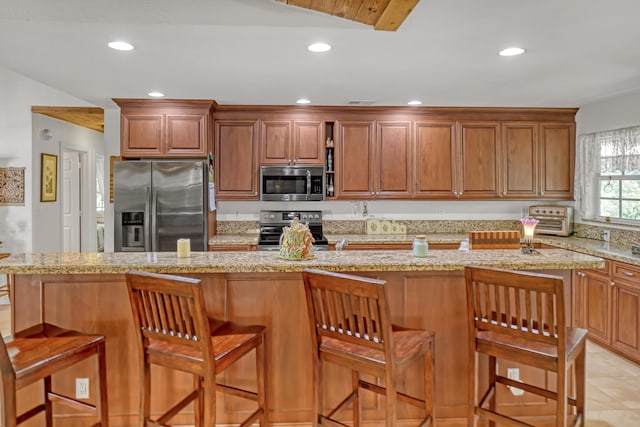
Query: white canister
x=420, y=246
x=184, y=248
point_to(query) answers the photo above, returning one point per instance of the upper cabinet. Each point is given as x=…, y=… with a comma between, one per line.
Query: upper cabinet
x=404, y=153
x=236, y=171
x=479, y=163
x=286, y=142
x=354, y=160
x=557, y=160
x=164, y=128
x=435, y=159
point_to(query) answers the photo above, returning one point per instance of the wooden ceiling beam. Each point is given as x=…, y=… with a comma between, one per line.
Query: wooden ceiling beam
x=88, y=117
x=385, y=15
x=394, y=14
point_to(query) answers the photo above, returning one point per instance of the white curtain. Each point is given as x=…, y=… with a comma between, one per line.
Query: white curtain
x=587, y=171
x=612, y=152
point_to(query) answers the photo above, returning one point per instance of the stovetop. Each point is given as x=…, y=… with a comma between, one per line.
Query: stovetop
x=272, y=222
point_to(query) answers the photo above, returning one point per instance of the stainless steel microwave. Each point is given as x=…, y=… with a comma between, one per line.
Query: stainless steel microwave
x=292, y=183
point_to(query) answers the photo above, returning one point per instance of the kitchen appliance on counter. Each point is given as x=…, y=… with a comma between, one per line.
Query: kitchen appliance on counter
x=292, y=183
x=554, y=220
x=272, y=222
x=158, y=202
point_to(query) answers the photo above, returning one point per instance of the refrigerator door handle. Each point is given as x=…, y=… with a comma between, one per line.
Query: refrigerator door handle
x=147, y=219
x=154, y=220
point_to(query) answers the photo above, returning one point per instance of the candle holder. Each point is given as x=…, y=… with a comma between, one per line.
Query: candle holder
x=529, y=225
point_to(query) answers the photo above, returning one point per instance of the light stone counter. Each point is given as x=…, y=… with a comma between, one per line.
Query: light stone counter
x=247, y=262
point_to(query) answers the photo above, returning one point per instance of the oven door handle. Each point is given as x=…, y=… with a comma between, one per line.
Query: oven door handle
x=308, y=184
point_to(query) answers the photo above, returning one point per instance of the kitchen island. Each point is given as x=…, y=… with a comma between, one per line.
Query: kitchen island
x=87, y=291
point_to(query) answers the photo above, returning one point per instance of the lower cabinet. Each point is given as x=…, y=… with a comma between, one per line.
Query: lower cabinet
x=607, y=303
x=625, y=310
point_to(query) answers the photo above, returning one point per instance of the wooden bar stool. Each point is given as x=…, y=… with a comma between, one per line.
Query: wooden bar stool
x=39, y=352
x=351, y=327
x=174, y=331
x=519, y=316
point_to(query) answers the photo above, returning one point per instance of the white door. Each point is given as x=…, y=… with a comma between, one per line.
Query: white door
x=71, y=201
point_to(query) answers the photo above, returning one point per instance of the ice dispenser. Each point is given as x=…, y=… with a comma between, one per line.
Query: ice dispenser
x=133, y=231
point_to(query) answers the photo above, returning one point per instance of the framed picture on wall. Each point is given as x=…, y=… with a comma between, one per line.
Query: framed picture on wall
x=49, y=178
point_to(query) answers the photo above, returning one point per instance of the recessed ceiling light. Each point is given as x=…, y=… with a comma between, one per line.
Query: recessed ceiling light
x=303, y=101
x=156, y=94
x=415, y=102
x=319, y=47
x=511, y=51
x=118, y=45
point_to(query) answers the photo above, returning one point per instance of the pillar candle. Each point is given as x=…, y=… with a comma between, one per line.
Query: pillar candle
x=184, y=248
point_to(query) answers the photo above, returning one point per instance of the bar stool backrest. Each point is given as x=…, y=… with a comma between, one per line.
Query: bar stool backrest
x=170, y=309
x=348, y=308
x=519, y=304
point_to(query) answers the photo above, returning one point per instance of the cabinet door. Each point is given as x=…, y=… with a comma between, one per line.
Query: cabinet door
x=557, y=160
x=480, y=157
x=597, y=301
x=393, y=160
x=141, y=135
x=354, y=160
x=236, y=159
x=275, y=143
x=435, y=160
x=520, y=160
x=186, y=135
x=625, y=310
x=308, y=142
x=626, y=318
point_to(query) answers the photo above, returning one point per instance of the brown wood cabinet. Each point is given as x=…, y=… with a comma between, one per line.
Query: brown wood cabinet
x=625, y=310
x=607, y=302
x=164, y=128
x=423, y=153
x=435, y=159
x=596, y=296
x=354, y=160
x=480, y=165
x=557, y=160
x=374, y=167
x=236, y=147
x=285, y=142
x=520, y=155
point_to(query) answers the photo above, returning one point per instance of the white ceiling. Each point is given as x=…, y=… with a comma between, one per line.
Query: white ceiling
x=254, y=51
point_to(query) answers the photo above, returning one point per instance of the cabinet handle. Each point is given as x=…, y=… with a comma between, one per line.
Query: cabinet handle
x=627, y=273
x=504, y=193
x=542, y=193
x=612, y=283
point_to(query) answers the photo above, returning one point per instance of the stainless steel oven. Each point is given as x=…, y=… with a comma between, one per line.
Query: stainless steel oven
x=292, y=183
x=272, y=222
x=554, y=220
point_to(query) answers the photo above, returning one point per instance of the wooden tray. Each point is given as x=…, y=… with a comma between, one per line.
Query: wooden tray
x=4, y=255
x=494, y=239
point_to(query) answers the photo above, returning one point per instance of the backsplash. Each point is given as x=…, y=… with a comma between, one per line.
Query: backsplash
x=618, y=235
x=588, y=231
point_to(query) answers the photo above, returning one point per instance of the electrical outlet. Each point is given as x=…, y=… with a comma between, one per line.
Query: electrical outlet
x=606, y=236
x=82, y=388
x=514, y=374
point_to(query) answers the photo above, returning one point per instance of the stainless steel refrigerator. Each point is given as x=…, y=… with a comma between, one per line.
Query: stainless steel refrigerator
x=158, y=202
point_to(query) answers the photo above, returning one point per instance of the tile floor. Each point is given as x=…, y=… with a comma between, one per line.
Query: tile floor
x=613, y=384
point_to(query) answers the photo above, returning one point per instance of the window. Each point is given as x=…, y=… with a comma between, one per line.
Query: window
x=608, y=172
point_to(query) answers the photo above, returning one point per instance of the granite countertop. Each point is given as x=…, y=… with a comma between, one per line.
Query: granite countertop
x=611, y=250
x=252, y=261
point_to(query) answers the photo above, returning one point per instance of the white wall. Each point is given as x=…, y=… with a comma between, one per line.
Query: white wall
x=47, y=217
x=17, y=95
x=612, y=113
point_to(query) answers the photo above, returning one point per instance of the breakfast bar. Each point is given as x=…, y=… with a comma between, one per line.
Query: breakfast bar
x=87, y=291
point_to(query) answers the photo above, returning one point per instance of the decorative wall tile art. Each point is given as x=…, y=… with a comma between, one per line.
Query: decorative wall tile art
x=12, y=186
